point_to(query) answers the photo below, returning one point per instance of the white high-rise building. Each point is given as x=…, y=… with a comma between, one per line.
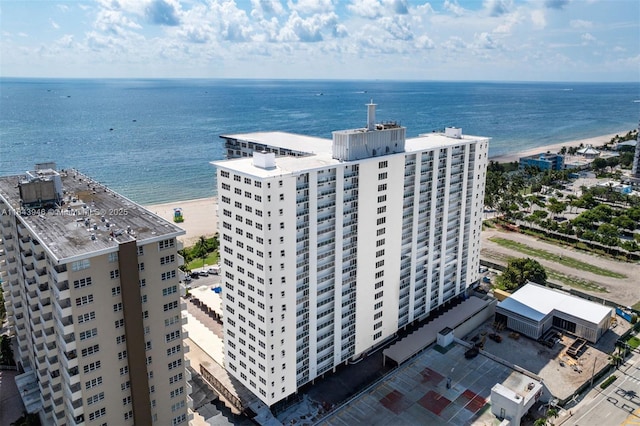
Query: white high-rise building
x=91, y=287
x=329, y=250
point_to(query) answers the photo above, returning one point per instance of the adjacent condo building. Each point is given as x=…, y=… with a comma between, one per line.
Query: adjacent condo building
x=90, y=283
x=331, y=246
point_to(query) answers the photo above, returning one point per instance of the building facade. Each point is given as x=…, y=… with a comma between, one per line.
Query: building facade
x=544, y=161
x=326, y=255
x=91, y=288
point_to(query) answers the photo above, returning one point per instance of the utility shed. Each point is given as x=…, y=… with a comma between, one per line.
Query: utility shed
x=534, y=309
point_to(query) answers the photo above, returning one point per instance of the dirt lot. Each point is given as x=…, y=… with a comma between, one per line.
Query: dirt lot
x=561, y=373
x=624, y=291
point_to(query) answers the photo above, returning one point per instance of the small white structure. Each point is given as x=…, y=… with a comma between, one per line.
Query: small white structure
x=512, y=402
x=589, y=152
x=445, y=337
x=534, y=309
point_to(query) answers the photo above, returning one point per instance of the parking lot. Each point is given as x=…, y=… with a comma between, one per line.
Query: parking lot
x=561, y=373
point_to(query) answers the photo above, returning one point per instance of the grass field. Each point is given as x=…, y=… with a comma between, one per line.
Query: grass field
x=563, y=260
x=559, y=277
x=211, y=259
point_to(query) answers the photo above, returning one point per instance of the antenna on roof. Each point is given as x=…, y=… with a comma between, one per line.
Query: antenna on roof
x=371, y=115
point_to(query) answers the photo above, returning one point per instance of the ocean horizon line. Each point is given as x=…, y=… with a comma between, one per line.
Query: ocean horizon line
x=331, y=80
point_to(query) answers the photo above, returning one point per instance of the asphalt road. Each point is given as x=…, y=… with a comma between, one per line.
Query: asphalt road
x=618, y=404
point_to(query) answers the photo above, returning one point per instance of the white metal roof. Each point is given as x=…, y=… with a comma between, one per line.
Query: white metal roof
x=536, y=302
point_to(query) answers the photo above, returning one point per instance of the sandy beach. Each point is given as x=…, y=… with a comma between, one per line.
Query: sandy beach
x=200, y=217
x=554, y=148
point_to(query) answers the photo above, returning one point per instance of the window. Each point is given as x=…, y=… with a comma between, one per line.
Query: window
x=117, y=307
x=381, y=220
x=177, y=406
x=141, y=266
x=88, y=334
x=171, y=305
x=172, y=336
x=121, y=339
x=377, y=335
x=126, y=385
x=174, y=364
x=382, y=187
x=98, y=413
x=174, y=350
x=86, y=317
x=82, y=282
x=91, y=350
x=224, y=173
x=84, y=300
x=176, y=392
x=126, y=400
x=80, y=265
x=382, y=209
x=175, y=379
x=128, y=415
x=140, y=250
x=145, y=314
x=165, y=244
x=382, y=198
x=95, y=398
x=122, y=355
x=93, y=383
x=124, y=370
x=115, y=291
x=180, y=419
x=114, y=274
x=119, y=323
x=169, y=290
x=143, y=282
x=113, y=257
x=168, y=275
x=383, y=164
x=91, y=367
x=382, y=176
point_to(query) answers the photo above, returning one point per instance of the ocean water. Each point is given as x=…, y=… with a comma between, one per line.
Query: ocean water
x=152, y=140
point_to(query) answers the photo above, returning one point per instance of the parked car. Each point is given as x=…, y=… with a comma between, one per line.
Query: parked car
x=194, y=275
x=213, y=271
x=203, y=274
x=187, y=278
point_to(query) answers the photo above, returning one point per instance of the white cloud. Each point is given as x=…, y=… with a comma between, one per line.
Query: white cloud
x=54, y=25
x=423, y=42
x=498, y=7
x=587, y=38
x=307, y=7
x=485, y=41
x=538, y=18
x=454, y=7
x=370, y=9
x=580, y=24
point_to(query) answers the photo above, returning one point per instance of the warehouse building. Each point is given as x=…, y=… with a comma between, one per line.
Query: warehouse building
x=534, y=309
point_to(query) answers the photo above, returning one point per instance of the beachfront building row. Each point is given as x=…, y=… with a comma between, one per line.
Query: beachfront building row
x=328, y=252
x=91, y=287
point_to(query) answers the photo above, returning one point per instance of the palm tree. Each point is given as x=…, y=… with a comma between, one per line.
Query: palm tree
x=201, y=248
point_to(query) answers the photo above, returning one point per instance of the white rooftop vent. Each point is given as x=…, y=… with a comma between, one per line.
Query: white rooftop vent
x=264, y=160
x=453, y=132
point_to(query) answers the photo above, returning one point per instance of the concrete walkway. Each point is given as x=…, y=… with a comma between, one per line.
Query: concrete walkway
x=624, y=291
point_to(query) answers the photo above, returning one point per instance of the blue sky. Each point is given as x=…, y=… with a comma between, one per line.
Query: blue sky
x=512, y=40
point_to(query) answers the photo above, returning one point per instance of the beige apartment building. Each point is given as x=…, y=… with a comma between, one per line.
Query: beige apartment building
x=91, y=286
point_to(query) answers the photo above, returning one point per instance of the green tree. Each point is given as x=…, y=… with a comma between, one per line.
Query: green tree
x=599, y=164
x=519, y=271
x=556, y=207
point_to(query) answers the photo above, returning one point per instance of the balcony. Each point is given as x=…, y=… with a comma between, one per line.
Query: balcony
x=65, y=326
x=64, y=309
x=62, y=291
x=73, y=396
x=38, y=337
x=67, y=343
x=60, y=273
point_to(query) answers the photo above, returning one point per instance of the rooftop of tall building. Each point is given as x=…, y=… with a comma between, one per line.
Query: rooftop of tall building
x=87, y=219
